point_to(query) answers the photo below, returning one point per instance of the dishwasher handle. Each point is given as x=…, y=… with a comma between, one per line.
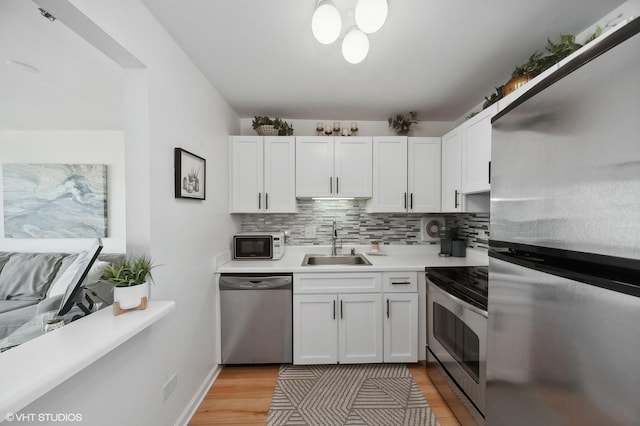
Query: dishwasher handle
x=256, y=283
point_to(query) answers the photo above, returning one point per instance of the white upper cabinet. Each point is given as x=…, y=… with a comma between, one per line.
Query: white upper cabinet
x=279, y=174
x=452, y=171
x=406, y=175
x=353, y=164
x=423, y=176
x=389, y=175
x=262, y=174
x=476, y=151
x=333, y=166
x=314, y=166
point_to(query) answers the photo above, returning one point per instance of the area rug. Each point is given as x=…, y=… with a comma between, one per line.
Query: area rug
x=362, y=394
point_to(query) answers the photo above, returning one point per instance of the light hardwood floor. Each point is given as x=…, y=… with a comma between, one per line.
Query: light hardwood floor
x=242, y=395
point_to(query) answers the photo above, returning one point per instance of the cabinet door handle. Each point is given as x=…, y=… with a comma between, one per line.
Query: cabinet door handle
x=489, y=171
x=334, y=309
x=411, y=203
x=337, y=185
x=455, y=199
x=341, y=310
x=401, y=282
x=259, y=200
x=405, y=200
x=330, y=185
x=387, y=308
x=266, y=201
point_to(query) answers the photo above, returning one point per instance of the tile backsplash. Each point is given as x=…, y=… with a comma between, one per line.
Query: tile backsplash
x=357, y=227
x=472, y=227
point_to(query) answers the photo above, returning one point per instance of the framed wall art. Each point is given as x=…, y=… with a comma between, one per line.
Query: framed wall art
x=55, y=200
x=190, y=175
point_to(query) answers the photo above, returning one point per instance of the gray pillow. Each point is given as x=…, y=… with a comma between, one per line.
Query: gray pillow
x=4, y=258
x=27, y=276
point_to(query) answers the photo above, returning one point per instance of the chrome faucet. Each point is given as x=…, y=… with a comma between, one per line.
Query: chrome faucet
x=334, y=239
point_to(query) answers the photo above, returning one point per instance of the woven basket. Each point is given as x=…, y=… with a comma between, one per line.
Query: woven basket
x=267, y=130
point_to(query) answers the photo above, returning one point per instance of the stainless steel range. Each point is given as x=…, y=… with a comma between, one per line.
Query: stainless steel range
x=457, y=338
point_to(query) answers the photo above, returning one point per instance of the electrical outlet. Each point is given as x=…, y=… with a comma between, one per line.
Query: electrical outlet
x=310, y=231
x=170, y=386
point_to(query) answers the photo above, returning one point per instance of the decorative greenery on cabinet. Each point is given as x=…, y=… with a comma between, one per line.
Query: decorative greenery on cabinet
x=271, y=127
x=402, y=124
x=538, y=62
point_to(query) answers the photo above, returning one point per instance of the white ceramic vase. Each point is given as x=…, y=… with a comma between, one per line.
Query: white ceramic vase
x=50, y=327
x=130, y=297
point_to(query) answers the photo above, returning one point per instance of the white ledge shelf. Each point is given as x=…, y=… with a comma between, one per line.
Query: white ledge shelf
x=68, y=350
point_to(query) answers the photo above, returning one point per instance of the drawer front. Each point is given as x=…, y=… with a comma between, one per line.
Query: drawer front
x=400, y=282
x=354, y=282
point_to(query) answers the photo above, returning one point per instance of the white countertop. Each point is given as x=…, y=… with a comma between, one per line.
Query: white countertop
x=390, y=258
x=34, y=368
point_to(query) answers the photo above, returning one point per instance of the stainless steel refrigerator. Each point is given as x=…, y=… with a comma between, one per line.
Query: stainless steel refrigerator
x=564, y=267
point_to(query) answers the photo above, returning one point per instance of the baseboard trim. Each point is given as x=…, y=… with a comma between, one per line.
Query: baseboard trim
x=199, y=396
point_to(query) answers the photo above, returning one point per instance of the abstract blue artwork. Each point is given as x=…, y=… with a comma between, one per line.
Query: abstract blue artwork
x=55, y=200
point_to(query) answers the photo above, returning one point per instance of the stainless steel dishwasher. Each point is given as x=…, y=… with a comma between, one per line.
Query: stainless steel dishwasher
x=256, y=315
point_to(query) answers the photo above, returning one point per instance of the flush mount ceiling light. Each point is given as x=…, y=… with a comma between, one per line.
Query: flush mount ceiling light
x=326, y=23
x=355, y=46
x=371, y=14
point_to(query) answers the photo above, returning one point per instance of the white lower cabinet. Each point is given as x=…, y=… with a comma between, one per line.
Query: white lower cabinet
x=346, y=318
x=315, y=329
x=331, y=328
x=401, y=327
x=400, y=299
x=360, y=328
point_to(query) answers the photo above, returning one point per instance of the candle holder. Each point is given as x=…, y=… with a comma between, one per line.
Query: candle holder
x=336, y=127
x=319, y=129
x=354, y=127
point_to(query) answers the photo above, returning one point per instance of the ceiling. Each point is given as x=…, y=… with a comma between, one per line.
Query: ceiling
x=437, y=57
x=65, y=83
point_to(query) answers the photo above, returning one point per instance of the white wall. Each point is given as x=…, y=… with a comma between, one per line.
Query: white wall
x=169, y=104
x=69, y=147
x=365, y=128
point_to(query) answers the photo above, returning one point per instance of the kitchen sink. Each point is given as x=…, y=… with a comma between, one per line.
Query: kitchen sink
x=339, y=259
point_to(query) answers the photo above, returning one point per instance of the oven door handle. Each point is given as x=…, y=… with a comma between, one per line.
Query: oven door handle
x=460, y=301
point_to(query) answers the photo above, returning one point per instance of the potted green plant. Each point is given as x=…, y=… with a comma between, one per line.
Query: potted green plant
x=284, y=128
x=129, y=281
x=402, y=124
x=538, y=62
x=495, y=97
x=266, y=126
